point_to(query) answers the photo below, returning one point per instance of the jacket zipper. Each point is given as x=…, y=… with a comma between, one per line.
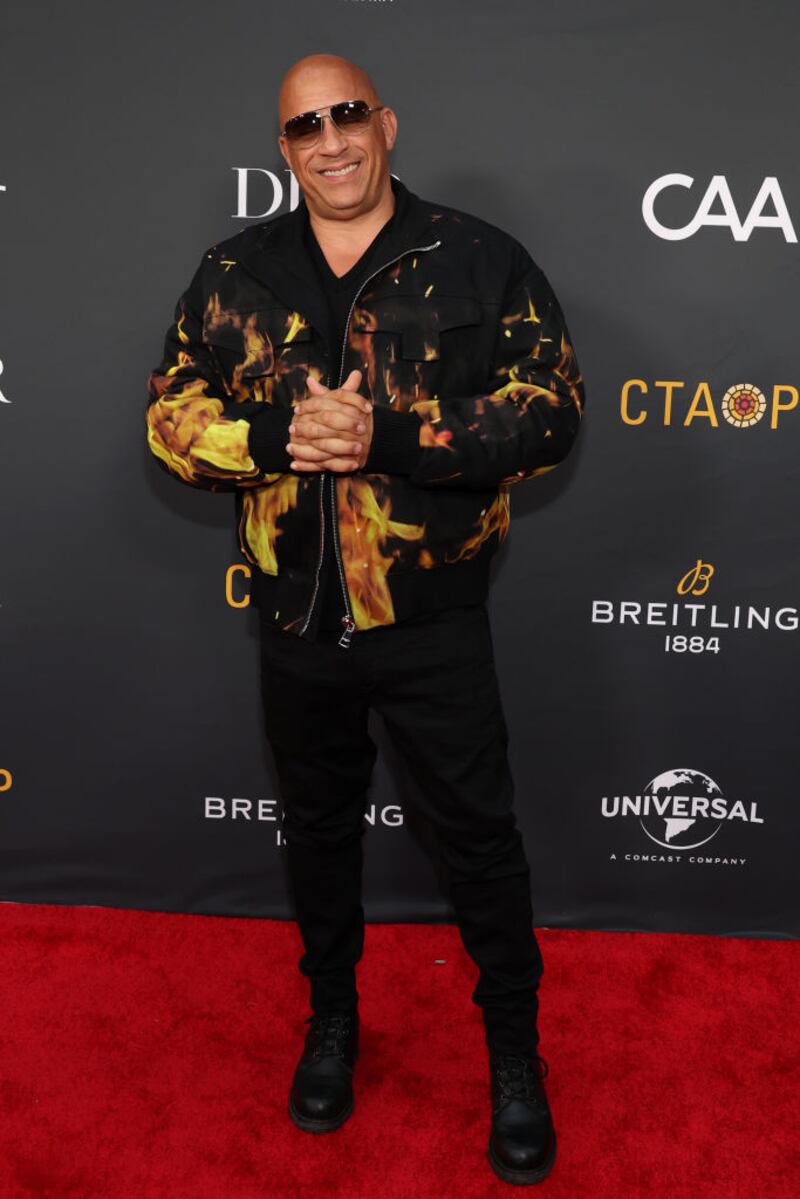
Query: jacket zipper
x=321, y=552
x=323, y=476
x=347, y=620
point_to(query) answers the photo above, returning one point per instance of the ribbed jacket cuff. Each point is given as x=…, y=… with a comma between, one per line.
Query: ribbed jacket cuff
x=269, y=433
x=395, y=447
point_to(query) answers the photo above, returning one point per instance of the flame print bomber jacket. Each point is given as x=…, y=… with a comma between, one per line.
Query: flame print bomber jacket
x=466, y=357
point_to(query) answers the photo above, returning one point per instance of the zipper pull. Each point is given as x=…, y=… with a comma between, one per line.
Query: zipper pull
x=349, y=626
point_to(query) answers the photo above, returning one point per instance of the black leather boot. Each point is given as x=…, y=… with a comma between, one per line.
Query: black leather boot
x=321, y=1097
x=522, y=1141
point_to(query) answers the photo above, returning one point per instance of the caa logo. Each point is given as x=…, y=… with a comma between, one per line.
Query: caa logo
x=718, y=192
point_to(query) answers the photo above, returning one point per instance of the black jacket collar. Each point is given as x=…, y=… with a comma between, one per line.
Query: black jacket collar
x=279, y=257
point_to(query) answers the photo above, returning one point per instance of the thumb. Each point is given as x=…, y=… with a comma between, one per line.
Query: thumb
x=352, y=382
x=315, y=387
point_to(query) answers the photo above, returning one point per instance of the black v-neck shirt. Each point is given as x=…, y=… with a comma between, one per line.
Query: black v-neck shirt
x=339, y=292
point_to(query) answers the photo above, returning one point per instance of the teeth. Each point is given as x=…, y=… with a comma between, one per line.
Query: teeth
x=343, y=170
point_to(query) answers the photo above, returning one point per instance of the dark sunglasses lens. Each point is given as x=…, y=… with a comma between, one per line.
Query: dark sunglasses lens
x=307, y=125
x=351, y=115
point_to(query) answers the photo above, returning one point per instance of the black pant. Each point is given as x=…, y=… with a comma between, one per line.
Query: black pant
x=433, y=681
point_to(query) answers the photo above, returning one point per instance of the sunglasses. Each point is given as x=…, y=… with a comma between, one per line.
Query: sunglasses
x=350, y=116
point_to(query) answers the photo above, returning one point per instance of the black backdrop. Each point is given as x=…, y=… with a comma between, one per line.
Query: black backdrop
x=646, y=157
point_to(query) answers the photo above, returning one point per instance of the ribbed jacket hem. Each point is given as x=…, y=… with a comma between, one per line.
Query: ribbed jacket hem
x=395, y=448
x=414, y=592
x=269, y=433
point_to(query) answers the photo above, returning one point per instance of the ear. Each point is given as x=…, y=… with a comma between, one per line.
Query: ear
x=283, y=150
x=389, y=126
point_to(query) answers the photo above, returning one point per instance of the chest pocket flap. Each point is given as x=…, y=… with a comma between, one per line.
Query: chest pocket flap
x=255, y=336
x=418, y=320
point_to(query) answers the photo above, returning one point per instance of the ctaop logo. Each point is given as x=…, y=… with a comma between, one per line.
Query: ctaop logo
x=673, y=402
x=680, y=809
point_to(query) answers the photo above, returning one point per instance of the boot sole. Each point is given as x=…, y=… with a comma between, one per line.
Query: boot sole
x=331, y=1125
x=522, y=1177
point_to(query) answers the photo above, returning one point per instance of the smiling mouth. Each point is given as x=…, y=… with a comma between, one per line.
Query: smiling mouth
x=338, y=172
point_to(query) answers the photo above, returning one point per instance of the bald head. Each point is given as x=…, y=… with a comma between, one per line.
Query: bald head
x=321, y=79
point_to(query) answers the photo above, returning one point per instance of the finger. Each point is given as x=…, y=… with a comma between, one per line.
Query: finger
x=314, y=386
x=323, y=446
x=351, y=397
x=308, y=453
x=340, y=465
x=326, y=420
x=331, y=399
x=353, y=381
x=318, y=403
x=340, y=416
x=315, y=451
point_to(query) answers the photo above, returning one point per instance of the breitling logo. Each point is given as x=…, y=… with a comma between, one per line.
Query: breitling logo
x=700, y=625
x=699, y=574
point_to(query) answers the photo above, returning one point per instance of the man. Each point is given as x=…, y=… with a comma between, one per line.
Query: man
x=368, y=375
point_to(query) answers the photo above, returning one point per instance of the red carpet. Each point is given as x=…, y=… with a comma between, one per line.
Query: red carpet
x=149, y=1055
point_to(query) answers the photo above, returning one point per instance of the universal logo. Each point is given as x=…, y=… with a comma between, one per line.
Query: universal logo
x=698, y=619
x=674, y=402
x=680, y=811
x=718, y=193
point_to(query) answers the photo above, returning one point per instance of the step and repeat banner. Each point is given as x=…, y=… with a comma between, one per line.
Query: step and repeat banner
x=645, y=604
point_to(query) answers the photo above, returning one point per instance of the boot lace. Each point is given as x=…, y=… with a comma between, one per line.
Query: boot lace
x=329, y=1032
x=519, y=1078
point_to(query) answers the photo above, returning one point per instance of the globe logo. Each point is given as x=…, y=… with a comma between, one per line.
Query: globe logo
x=743, y=405
x=678, y=814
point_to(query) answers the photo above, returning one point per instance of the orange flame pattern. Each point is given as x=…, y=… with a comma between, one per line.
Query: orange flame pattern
x=262, y=508
x=365, y=528
x=187, y=428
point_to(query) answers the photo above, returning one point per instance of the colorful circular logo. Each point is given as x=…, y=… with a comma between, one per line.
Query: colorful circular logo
x=743, y=405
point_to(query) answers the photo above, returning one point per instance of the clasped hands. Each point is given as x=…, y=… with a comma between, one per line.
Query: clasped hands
x=331, y=428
